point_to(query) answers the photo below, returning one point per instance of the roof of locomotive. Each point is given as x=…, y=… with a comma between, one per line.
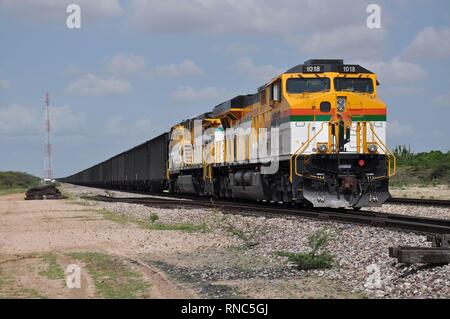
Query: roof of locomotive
x=327, y=65
x=239, y=101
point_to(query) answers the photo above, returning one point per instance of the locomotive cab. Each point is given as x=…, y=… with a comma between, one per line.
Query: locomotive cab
x=344, y=160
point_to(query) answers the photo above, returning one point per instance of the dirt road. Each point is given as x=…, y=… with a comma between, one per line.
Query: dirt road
x=39, y=239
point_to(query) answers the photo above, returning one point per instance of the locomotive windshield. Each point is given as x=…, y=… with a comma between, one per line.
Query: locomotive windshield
x=353, y=85
x=307, y=85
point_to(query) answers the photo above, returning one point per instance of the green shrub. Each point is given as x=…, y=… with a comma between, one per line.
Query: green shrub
x=318, y=240
x=426, y=168
x=314, y=259
x=153, y=217
x=307, y=261
x=17, y=180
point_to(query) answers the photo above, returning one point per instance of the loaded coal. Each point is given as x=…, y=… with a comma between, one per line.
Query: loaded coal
x=47, y=191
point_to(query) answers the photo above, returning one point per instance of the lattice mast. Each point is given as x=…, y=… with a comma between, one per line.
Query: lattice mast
x=48, y=169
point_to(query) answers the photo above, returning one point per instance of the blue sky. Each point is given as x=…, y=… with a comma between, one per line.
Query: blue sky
x=137, y=67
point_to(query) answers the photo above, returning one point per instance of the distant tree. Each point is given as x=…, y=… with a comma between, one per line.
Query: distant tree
x=402, y=152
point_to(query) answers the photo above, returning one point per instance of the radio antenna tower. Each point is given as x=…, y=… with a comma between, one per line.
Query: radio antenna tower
x=48, y=170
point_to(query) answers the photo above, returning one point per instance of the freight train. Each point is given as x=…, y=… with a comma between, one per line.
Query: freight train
x=314, y=135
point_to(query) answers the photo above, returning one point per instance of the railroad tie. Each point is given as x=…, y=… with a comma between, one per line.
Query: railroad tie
x=438, y=254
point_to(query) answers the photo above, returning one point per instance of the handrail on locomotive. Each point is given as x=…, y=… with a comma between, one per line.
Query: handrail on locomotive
x=390, y=156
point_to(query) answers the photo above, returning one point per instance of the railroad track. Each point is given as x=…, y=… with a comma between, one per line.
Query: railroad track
x=394, y=221
x=392, y=200
x=420, y=201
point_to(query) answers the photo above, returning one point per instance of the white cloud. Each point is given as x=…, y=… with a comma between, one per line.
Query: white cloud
x=396, y=129
x=56, y=9
x=122, y=64
x=430, y=42
x=245, y=16
x=93, y=85
x=396, y=71
x=17, y=120
x=262, y=73
x=350, y=42
x=5, y=84
x=206, y=93
x=442, y=100
x=185, y=68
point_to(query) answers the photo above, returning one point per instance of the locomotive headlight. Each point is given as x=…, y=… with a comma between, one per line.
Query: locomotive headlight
x=341, y=103
x=323, y=148
x=373, y=148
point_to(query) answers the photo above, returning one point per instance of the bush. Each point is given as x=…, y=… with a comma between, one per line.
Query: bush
x=307, y=261
x=153, y=217
x=421, y=168
x=17, y=180
x=314, y=259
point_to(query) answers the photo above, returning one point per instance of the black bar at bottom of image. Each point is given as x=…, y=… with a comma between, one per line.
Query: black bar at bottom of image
x=199, y=308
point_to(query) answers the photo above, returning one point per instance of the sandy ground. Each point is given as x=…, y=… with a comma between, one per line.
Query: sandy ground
x=31, y=229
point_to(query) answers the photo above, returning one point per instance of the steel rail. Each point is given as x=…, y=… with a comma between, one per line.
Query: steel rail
x=420, y=201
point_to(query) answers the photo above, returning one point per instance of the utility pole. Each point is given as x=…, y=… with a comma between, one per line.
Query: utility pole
x=48, y=170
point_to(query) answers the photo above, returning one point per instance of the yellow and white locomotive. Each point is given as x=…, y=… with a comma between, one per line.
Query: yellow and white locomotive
x=315, y=134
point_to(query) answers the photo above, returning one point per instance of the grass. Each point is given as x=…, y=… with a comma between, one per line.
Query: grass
x=30, y=293
x=185, y=227
x=68, y=195
x=16, y=181
x=112, y=278
x=114, y=217
x=153, y=217
x=54, y=270
x=315, y=258
x=423, y=169
x=9, y=289
x=307, y=261
x=15, y=190
x=236, y=232
x=153, y=225
x=248, y=235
